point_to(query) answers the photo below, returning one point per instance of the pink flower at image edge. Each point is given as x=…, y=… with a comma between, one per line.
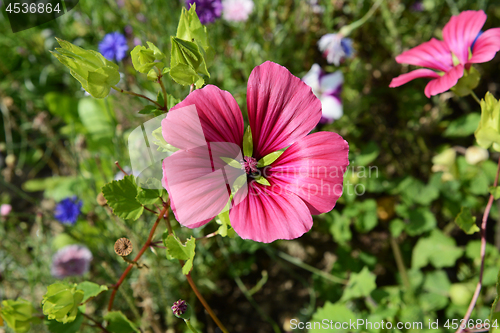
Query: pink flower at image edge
x=460, y=34
x=282, y=110
x=5, y=209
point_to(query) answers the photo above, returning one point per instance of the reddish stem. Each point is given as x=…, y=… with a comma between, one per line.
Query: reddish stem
x=139, y=255
x=121, y=169
x=483, y=252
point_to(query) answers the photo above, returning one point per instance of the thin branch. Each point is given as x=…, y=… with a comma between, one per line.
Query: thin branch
x=121, y=169
x=160, y=81
x=483, y=253
x=139, y=255
x=98, y=324
x=475, y=97
x=138, y=95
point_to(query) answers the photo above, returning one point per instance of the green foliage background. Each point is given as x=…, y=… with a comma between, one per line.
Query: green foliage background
x=393, y=253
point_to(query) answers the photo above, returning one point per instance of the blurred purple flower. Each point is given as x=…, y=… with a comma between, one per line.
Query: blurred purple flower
x=327, y=87
x=417, y=6
x=237, y=10
x=67, y=210
x=5, y=209
x=113, y=46
x=335, y=48
x=207, y=10
x=71, y=260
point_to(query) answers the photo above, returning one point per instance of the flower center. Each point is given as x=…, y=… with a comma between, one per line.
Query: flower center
x=249, y=164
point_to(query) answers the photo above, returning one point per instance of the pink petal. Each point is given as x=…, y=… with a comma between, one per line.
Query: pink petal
x=219, y=117
x=433, y=54
x=268, y=213
x=281, y=108
x=459, y=33
x=418, y=73
x=445, y=82
x=197, y=192
x=486, y=46
x=313, y=168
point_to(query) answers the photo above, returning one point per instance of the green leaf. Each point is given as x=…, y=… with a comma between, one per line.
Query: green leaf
x=187, y=53
x=90, y=289
x=95, y=116
x=61, y=302
x=148, y=109
x=177, y=250
x=495, y=191
x=248, y=142
x=463, y=126
x=488, y=131
x=338, y=313
x=366, y=218
x=152, y=75
x=63, y=106
x=18, y=314
x=184, y=75
x=95, y=73
x=143, y=59
x=368, y=154
x=225, y=229
x=421, y=220
x=437, y=249
x=495, y=302
x=172, y=101
x=466, y=221
x=148, y=196
x=360, y=285
x=269, y=158
x=118, y=323
x=73, y=327
x=121, y=196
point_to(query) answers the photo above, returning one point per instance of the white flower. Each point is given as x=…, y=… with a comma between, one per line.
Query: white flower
x=475, y=155
x=327, y=87
x=236, y=10
x=335, y=48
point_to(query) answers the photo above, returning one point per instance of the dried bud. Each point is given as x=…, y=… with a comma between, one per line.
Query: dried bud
x=181, y=309
x=123, y=247
x=101, y=200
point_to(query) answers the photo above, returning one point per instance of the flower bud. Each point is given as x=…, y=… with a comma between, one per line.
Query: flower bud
x=475, y=155
x=181, y=309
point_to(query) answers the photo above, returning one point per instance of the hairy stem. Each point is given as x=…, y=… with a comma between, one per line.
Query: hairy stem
x=400, y=263
x=188, y=323
x=483, y=253
x=475, y=97
x=139, y=255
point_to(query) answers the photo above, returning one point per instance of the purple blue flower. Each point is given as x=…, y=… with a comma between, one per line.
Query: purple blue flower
x=71, y=260
x=207, y=10
x=67, y=210
x=113, y=46
x=335, y=48
x=327, y=87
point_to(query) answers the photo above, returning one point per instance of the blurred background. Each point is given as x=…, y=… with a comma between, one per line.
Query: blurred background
x=398, y=238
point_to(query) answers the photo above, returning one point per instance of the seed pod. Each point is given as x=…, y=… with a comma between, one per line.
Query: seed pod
x=123, y=247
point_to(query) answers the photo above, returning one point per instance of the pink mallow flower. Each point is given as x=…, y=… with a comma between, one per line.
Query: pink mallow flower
x=5, y=209
x=274, y=201
x=463, y=45
x=71, y=260
x=236, y=10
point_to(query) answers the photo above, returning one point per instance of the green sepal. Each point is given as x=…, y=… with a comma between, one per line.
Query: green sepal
x=121, y=196
x=269, y=158
x=161, y=143
x=177, y=250
x=95, y=73
x=225, y=228
x=18, y=314
x=184, y=75
x=248, y=142
x=231, y=162
x=488, y=132
x=467, y=83
x=152, y=75
x=262, y=180
x=61, y=302
x=466, y=221
x=158, y=55
x=144, y=59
